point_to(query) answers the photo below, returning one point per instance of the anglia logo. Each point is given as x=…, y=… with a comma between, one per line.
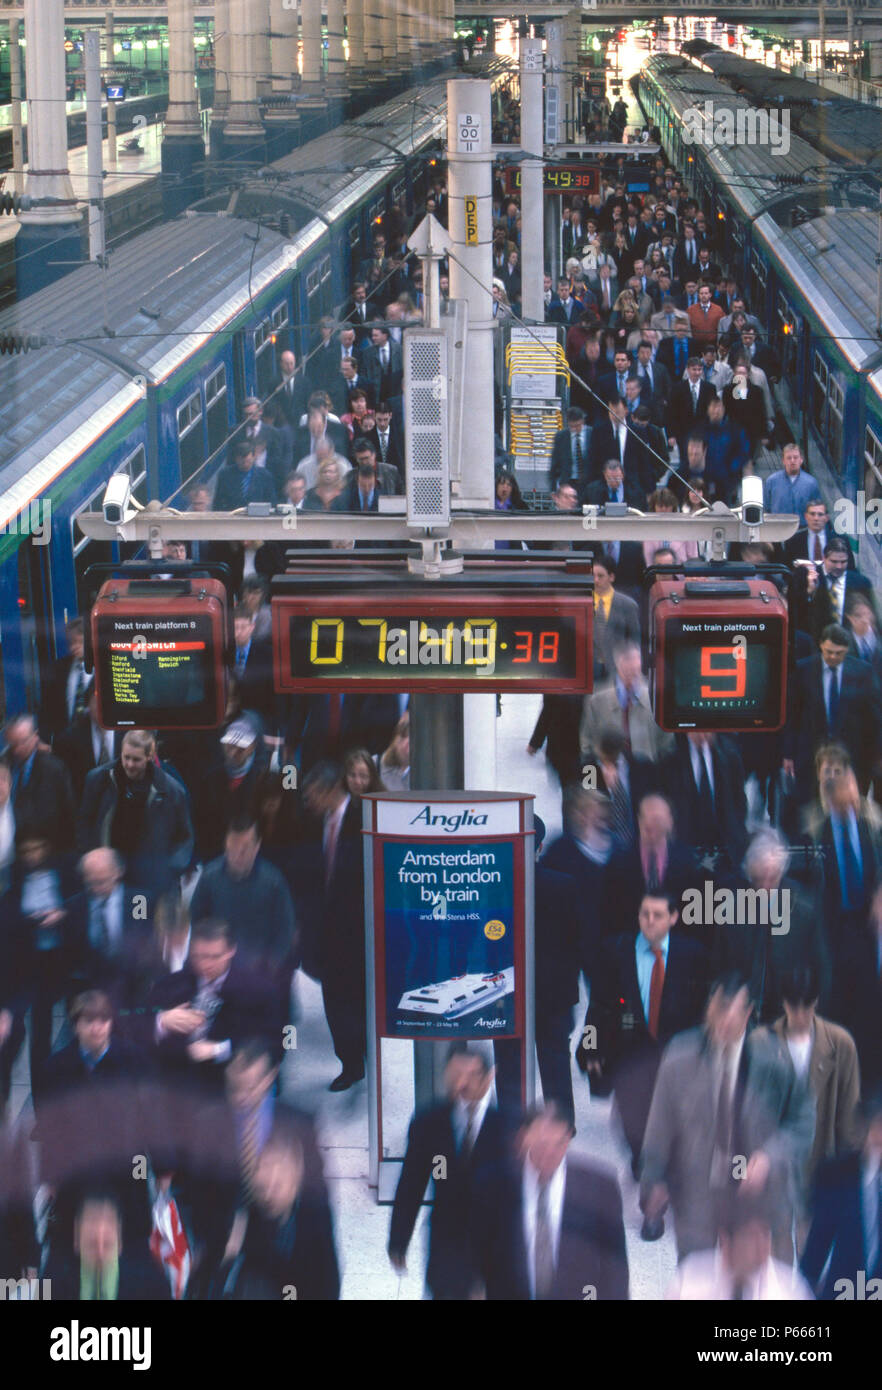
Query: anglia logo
x=449, y=824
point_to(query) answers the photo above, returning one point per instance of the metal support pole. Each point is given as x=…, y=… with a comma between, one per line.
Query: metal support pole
x=470, y=184
x=16, y=94
x=221, y=101
x=243, y=128
x=112, y=160
x=532, y=197
x=822, y=38
x=94, y=145
x=48, y=240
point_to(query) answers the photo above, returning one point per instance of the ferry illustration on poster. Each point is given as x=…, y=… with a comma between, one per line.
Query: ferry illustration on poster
x=449, y=939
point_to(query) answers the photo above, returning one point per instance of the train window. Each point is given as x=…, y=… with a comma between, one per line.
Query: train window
x=354, y=235
x=325, y=269
x=787, y=336
x=872, y=463
x=376, y=211
x=264, y=338
x=136, y=467
x=758, y=280
x=261, y=337
x=189, y=414
x=312, y=282
x=819, y=392
x=191, y=444
x=398, y=190
x=216, y=408
x=280, y=316
x=835, y=412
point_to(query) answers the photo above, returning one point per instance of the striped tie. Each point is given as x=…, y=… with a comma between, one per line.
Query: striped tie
x=248, y=1153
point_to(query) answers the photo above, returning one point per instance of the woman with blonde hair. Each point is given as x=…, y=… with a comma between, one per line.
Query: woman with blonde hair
x=329, y=485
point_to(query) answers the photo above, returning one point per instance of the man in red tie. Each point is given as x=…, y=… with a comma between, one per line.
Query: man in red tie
x=646, y=987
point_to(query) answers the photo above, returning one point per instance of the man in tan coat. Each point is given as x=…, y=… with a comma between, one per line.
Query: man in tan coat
x=825, y=1055
x=624, y=704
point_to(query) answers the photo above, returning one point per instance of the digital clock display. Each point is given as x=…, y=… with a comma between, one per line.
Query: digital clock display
x=561, y=178
x=468, y=641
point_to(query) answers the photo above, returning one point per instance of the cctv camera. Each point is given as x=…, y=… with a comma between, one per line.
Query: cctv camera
x=118, y=500
x=752, y=507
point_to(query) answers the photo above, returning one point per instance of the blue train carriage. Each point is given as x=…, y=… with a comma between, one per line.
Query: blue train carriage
x=156, y=356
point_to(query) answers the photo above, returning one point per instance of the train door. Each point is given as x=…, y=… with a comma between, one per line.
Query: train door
x=36, y=629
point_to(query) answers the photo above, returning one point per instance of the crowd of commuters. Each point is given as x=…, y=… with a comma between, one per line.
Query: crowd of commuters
x=167, y=890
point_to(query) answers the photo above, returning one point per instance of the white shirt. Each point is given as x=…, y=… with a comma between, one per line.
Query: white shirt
x=530, y=1199
x=705, y=1277
x=800, y=1050
x=7, y=836
x=175, y=957
x=461, y=1118
x=696, y=753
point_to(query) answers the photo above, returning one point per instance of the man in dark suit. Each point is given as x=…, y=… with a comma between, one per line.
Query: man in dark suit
x=704, y=781
x=319, y=427
x=810, y=541
x=268, y=444
x=85, y=745
x=564, y=308
x=556, y=990
x=335, y=888
x=451, y=1143
x=253, y=666
x=588, y=368
x=362, y=489
x=289, y=388
x=569, y=452
x=688, y=406
x=857, y=992
x=552, y=1228
x=852, y=857
x=202, y=1011
x=613, y=383
x=64, y=696
x=616, y=618
x=582, y=853
x=686, y=255
x=612, y=438
x=360, y=311
x=240, y=482
x=612, y=487
x=844, y=1240
x=674, y=352
x=758, y=355
x=658, y=861
x=382, y=365
x=41, y=791
x=820, y=591
x=654, y=373
x=646, y=988
x=101, y=1266
x=386, y=438
x=833, y=699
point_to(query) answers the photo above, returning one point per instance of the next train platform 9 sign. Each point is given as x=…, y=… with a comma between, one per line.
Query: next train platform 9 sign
x=719, y=654
x=159, y=653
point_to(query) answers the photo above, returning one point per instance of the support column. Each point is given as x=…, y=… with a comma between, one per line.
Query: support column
x=336, y=64
x=849, y=16
x=282, y=121
x=355, y=38
x=50, y=234
x=402, y=28
x=373, y=41
x=312, y=103
x=260, y=29
x=532, y=196
x=221, y=103
x=183, y=150
x=469, y=162
x=388, y=40
x=822, y=38
x=112, y=159
x=243, y=128
x=16, y=94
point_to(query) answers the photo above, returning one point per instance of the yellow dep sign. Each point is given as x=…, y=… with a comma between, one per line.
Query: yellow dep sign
x=471, y=221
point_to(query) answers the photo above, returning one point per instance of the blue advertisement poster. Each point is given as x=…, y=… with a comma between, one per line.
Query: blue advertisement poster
x=449, y=934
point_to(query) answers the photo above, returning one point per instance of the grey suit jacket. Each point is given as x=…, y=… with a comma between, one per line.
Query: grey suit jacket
x=776, y=1114
x=602, y=709
x=623, y=625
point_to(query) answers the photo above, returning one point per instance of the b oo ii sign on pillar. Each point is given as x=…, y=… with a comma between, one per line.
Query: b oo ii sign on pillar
x=471, y=220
